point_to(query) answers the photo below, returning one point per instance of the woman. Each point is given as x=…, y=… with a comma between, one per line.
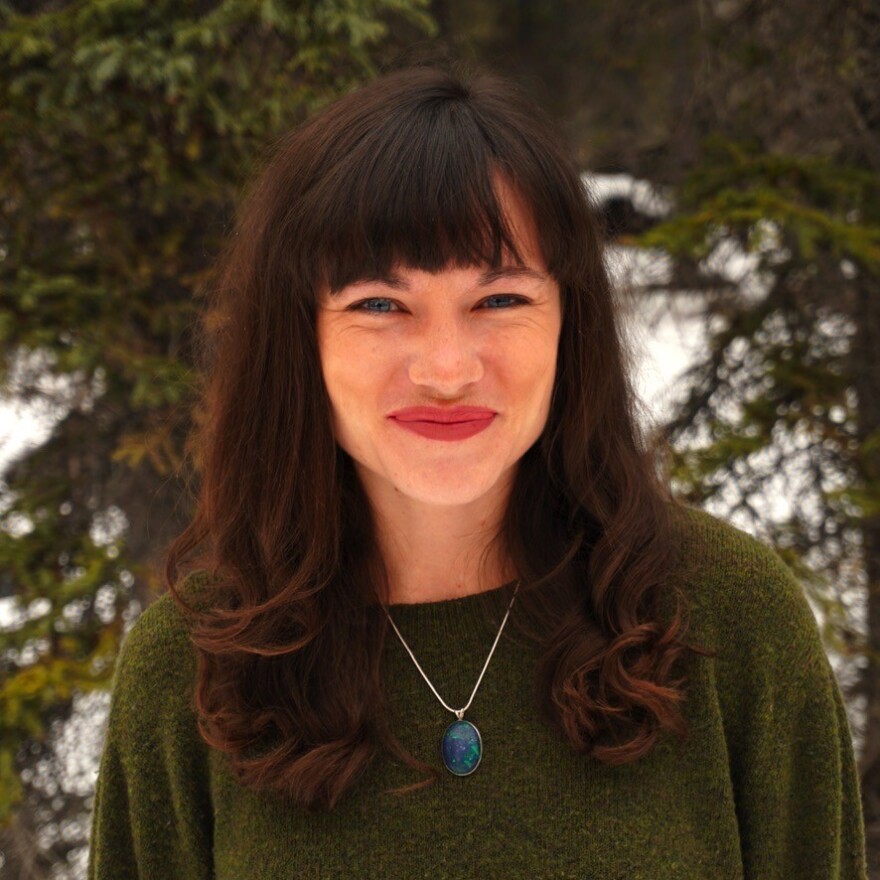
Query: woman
x=433, y=611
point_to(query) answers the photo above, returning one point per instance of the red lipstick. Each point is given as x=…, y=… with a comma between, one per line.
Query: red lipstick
x=442, y=414
x=452, y=423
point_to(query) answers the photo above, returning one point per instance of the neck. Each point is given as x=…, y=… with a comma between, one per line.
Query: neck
x=411, y=597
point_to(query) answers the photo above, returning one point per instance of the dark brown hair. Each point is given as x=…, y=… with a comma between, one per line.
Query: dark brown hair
x=289, y=635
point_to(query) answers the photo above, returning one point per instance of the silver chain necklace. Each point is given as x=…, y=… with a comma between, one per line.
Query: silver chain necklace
x=461, y=745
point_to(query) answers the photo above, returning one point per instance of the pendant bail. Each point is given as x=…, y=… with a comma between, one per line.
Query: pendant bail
x=459, y=714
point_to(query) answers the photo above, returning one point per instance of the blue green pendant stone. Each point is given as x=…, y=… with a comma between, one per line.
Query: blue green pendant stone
x=462, y=748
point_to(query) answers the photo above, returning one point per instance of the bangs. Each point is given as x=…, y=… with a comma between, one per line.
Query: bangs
x=418, y=192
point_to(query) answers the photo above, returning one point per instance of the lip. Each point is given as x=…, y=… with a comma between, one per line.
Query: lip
x=446, y=430
x=445, y=415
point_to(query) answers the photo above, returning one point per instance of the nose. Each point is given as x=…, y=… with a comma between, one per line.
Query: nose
x=445, y=360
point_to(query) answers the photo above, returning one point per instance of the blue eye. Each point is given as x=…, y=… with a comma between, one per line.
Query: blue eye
x=359, y=306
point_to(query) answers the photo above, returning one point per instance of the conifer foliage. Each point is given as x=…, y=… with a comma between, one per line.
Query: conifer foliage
x=127, y=128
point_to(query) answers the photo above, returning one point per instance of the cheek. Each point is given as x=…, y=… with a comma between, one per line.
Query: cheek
x=535, y=361
x=335, y=372
x=354, y=383
x=538, y=373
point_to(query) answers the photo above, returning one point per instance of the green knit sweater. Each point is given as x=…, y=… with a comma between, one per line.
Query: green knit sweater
x=766, y=786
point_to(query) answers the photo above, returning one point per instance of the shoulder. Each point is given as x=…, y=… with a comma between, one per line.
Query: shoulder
x=156, y=666
x=160, y=633
x=745, y=598
x=740, y=587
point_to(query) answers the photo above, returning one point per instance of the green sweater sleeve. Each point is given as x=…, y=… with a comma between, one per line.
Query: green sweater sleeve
x=795, y=772
x=791, y=756
x=152, y=816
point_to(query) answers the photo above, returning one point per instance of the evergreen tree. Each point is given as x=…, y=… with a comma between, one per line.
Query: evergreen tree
x=127, y=128
x=762, y=120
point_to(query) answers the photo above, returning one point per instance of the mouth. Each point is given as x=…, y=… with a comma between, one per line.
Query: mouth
x=442, y=422
x=434, y=430
x=438, y=415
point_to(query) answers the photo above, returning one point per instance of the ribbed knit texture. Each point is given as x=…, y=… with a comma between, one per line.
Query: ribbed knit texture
x=766, y=787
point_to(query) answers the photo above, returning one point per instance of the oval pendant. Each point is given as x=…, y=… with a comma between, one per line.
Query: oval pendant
x=461, y=747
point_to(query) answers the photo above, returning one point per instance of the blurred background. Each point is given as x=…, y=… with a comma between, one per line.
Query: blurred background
x=732, y=146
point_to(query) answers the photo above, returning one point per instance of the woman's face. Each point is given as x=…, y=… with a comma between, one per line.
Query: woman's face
x=451, y=338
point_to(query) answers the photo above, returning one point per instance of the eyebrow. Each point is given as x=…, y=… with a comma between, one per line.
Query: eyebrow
x=486, y=278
